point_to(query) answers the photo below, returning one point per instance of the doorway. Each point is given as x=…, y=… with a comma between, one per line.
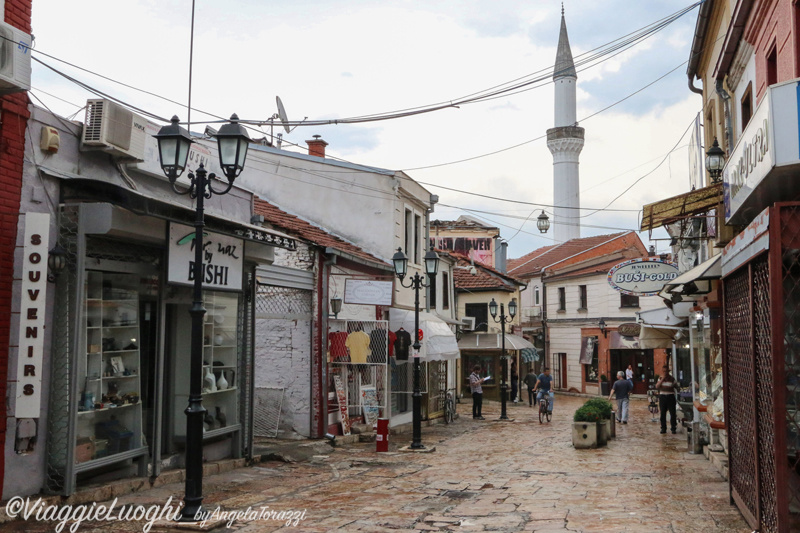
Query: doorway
x=642, y=363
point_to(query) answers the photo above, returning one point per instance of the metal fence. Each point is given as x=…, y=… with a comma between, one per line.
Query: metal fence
x=267, y=404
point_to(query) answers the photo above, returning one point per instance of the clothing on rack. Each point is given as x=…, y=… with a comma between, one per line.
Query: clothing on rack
x=402, y=344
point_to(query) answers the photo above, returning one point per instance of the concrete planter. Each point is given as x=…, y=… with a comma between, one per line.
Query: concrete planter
x=584, y=435
x=603, y=432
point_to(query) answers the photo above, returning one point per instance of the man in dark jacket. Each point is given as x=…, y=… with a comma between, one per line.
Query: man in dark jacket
x=530, y=381
x=666, y=387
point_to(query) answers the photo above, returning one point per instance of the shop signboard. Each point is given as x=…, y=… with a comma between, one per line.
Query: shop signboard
x=645, y=276
x=33, y=306
x=223, y=259
x=367, y=292
x=768, y=144
x=747, y=244
x=629, y=329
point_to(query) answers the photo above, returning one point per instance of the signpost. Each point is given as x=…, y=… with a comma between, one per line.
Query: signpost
x=642, y=277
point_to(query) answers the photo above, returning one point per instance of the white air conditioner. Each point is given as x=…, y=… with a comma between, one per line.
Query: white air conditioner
x=15, y=59
x=114, y=129
x=532, y=312
x=468, y=323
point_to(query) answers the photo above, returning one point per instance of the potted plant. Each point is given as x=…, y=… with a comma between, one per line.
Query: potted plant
x=604, y=386
x=584, y=427
x=604, y=424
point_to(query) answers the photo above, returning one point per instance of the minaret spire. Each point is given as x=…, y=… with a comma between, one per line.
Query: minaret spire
x=565, y=142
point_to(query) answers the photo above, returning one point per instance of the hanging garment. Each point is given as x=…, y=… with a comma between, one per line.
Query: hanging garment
x=338, y=348
x=392, y=338
x=358, y=344
x=377, y=346
x=402, y=344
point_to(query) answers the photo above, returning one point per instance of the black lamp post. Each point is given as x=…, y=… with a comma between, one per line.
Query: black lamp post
x=602, y=326
x=400, y=269
x=715, y=161
x=173, y=147
x=512, y=311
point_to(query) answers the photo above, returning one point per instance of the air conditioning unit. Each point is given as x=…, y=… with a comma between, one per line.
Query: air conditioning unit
x=111, y=128
x=15, y=59
x=468, y=323
x=532, y=312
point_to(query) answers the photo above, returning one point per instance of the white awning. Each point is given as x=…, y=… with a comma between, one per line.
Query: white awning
x=697, y=280
x=492, y=341
x=438, y=340
x=660, y=328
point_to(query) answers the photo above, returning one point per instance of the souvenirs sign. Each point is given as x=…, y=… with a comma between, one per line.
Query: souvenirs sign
x=642, y=277
x=33, y=307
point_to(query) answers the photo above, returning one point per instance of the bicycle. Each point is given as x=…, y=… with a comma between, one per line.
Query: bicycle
x=544, y=408
x=449, y=408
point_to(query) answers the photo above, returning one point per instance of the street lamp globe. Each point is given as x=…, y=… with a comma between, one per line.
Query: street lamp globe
x=400, y=262
x=431, y=263
x=173, y=148
x=715, y=161
x=233, y=141
x=493, y=308
x=512, y=308
x=543, y=222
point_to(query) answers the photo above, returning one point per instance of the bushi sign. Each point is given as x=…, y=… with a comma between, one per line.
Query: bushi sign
x=223, y=258
x=642, y=277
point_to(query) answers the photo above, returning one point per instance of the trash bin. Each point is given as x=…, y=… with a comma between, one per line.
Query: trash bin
x=382, y=435
x=693, y=441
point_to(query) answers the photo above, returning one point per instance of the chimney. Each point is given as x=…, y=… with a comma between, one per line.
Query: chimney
x=500, y=256
x=317, y=146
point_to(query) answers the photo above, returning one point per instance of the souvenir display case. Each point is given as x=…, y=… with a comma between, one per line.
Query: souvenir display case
x=109, y=418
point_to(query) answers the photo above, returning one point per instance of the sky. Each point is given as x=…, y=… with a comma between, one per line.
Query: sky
x=340, y=58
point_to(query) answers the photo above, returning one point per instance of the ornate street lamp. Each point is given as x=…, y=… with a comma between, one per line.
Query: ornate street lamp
x=715, y=161
x=602, y=326
x=173, y=148
x=512, y=311
x=543, y=222
x=400, y=262
x=56, y=262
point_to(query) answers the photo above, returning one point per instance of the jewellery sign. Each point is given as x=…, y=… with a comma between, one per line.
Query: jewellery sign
x=642, y=277
x=31, y=316
x=223, y=258
x=367, y=292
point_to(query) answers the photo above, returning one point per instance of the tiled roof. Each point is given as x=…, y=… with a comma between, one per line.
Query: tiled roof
x=487, y=278
x=284, y=221
x=574, y=250
x=594, y=269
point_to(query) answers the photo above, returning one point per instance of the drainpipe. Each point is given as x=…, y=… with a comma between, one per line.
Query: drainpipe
x=726, y=100
x=545, y=337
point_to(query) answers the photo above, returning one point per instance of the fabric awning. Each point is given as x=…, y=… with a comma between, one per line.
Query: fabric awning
x=672, y=209
x=660, y=328
x=697, y=280
x=492, y=341
x=438, y=340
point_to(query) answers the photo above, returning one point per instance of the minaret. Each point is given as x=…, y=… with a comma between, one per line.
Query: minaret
x=565, y=142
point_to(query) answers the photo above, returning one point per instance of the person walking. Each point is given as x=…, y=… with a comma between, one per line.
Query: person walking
x=514, y=382
x=475, y=381
x=530, y=382
x=622, y=388
x=629, y=373
x=666, y=387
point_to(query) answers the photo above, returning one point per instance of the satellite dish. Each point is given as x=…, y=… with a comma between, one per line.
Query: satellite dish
x=282, y=114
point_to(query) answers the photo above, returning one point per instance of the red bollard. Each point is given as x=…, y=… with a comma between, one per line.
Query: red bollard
x=382, y=436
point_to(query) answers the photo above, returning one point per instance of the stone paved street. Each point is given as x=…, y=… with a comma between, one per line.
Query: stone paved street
x=483, y=476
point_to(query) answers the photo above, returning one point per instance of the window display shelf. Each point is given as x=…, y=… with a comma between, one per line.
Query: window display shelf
x=111, y=459
x=229, y=389
x=117, y=408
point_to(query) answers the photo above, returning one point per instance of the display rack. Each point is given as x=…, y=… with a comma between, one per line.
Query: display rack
x=220, y=366
x=109, y=418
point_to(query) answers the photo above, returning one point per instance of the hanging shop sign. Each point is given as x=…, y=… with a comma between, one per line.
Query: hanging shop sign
x=762, y=165
x=629, y=329
x=645, y=276
x=31, y=317
x=367, y=292
x=223, y=258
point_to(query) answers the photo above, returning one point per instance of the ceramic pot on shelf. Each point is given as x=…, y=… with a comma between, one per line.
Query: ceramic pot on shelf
x=222, y=383
x=210, y=383
x=221, y=418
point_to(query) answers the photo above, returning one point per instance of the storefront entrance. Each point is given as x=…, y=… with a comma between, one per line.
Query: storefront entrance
x=642, y=364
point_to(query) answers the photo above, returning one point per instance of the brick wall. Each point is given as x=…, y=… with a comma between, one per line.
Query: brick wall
x=14, y=117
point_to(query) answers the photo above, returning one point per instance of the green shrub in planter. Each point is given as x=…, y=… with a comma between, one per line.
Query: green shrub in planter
x=602, y=405
x=587, y=413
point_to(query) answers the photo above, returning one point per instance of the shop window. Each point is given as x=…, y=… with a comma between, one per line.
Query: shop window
x=562, y=299
x=445, y=291
x=582, y=297
x=481, y=314
x=627, y=300
x=747, y=105
x=591, y=370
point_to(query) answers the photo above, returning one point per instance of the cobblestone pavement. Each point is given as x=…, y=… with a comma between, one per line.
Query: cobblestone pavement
x=484, y=476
